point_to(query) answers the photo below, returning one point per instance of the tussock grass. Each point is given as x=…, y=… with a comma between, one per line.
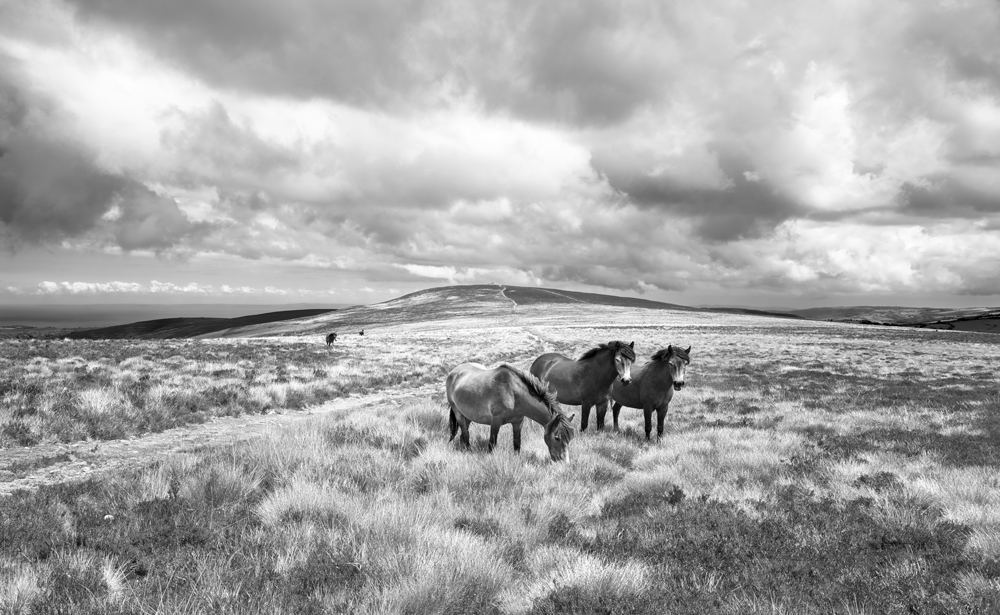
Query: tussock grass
x=807, y=468
x=65, y=392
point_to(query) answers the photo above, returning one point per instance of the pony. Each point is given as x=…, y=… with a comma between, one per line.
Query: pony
x=330, y=339
x=505, y=394
x=653, y=386
x=587, y=381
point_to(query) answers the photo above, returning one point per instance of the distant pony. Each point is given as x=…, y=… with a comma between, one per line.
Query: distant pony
x=330, y=339
x=362, y=332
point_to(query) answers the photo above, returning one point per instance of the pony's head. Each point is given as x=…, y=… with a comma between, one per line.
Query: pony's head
x=677, y=361
x=624, y=357
x=559, y=429
x=558, y=435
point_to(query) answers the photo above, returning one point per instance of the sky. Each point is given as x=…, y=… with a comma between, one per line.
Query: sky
x=778, y=153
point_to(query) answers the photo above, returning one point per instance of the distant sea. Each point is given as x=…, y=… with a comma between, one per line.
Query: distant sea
x=100, y=315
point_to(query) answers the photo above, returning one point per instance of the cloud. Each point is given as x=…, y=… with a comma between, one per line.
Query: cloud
x=149, y=221
x=743, y=206
x=53, y=187
x=947, y=197
x=159, y=288
x=633, y=145
x=48, y=191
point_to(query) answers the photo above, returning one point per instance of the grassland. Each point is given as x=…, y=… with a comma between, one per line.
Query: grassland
x=807, y=468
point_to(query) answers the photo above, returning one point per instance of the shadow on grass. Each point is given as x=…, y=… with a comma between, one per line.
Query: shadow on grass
x=957, y=450
x=797, y=553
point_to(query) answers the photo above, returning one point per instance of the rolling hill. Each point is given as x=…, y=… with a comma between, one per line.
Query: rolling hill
x=497, y=301
x=173, y=328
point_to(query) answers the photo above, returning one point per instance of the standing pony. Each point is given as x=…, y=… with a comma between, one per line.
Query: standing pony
x=330, y=339
x=505, y=394
x=653, y=387
x=587, y=381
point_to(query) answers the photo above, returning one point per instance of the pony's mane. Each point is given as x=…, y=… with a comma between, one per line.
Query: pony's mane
x=625, y=349
x=664, y=354
x=538, y=388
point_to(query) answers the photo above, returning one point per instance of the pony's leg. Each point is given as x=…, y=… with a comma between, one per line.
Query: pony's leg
x=661, y=413
x=602, y=411
x=647, y=412
x=615, y=409
x=584, y=417
x=516, y=426
x=452, y=422
x=494, y=431
x=463, y=423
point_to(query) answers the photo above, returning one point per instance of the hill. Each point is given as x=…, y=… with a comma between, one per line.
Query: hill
x=474, y=300
x=174, y=328
x=975, y=319
x=498, y=301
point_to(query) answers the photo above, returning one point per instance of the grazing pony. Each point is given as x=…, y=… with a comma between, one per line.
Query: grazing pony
x=505, y=394
x=587, y=381
x=653, y=386
x=330, y=339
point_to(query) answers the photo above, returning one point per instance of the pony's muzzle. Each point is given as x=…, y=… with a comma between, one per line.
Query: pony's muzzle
x=678, y=386
x=626, y=381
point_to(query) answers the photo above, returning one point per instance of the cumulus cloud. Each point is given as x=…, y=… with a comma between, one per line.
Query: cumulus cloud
x=155, y=287
x=47, y=189
x=53, y=187
x=637, y=145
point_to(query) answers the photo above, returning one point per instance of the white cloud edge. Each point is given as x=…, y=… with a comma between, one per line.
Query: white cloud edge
x=115, y=287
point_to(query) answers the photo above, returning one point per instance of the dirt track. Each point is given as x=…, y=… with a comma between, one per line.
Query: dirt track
x=79, y=461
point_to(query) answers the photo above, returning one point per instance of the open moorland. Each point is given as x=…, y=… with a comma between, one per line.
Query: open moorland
x=807, y=467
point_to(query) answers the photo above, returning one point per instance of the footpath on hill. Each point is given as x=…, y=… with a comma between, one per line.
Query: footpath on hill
x=32, y=467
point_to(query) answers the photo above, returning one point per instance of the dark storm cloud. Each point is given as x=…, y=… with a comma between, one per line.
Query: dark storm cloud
x=964, y=36
x=747, y=207
x=212, y=143
x=357, y=51
x=946, y=197
x=577, y=63
x=51, y=188
x=149, y=221
x=561, y=60
x=48, y=191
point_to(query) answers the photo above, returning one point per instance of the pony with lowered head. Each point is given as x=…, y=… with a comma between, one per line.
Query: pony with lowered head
x=501, y=395
x=652, y=388
x=586, y=382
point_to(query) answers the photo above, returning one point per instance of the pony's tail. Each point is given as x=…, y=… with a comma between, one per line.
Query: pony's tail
x=452, y=422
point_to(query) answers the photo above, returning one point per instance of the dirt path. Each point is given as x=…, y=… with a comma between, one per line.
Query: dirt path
x=503, y=293
x=47, y=464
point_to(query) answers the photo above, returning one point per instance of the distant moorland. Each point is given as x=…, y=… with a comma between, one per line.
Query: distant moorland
x=808, y=467
x=178, y=326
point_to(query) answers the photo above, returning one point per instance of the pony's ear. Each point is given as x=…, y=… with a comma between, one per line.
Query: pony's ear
x=552, y=424
x=688, y=350
x=670, y=348
x=632, y=345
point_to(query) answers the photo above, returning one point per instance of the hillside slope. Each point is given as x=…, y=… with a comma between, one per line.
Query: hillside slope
x=433, y=304
x=895, y=315
x=175, y=328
